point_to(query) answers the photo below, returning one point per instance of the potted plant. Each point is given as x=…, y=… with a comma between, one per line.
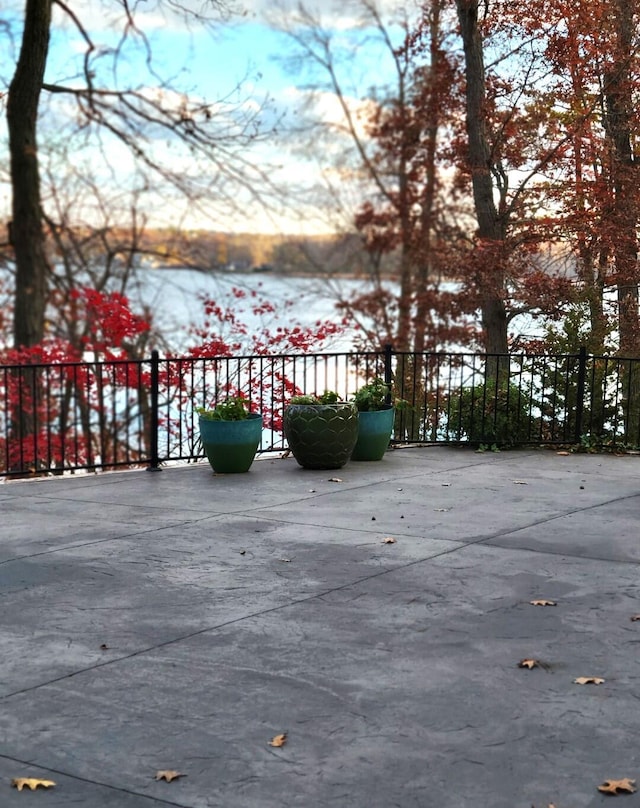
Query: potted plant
x=321, y=431
x=375, y=420
x=230, y=435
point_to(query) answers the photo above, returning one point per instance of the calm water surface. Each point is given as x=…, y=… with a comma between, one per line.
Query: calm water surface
x=175, y=300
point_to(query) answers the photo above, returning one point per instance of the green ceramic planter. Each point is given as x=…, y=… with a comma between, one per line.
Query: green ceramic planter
x=374, y=434
x=231, y=446
x=321, y=436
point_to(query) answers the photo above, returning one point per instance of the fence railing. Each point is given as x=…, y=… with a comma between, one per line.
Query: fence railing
x=105, y=415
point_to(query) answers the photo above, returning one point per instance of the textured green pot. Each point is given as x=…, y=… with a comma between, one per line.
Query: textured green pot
x=321, y=436
x=374, y=434
x=231, y=446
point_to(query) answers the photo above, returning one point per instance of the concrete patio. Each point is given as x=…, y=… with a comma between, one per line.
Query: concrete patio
x=180, y=620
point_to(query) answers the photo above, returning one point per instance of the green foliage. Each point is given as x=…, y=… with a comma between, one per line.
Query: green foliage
x=372, y=396
x=490, y=416
x=231, y=409
x=328, y=397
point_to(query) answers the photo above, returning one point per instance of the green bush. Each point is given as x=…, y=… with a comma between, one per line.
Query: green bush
x=373, y=396
x=231, y=409
x=328, y=397
x=490, y=416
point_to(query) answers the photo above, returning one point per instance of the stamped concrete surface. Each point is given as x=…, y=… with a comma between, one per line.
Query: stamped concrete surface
x=180, y=620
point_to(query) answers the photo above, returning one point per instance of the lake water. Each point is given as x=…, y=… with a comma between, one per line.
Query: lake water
x=174, y=297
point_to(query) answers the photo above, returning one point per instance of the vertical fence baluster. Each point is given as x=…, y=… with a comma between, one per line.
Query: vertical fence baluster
x=582, y=372
x=154, y=460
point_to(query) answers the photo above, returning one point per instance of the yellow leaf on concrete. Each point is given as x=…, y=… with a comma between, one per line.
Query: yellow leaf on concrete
x=528, y=663
x=542, y=602
x=168, y=775
x=618, y=786
x=31, y=782
x=588, y=680
x=389, y=540
x=278, y=740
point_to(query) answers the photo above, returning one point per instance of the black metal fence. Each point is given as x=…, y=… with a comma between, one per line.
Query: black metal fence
x=104, y=415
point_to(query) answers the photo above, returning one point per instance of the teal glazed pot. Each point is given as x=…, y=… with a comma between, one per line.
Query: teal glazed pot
x=321, y=436
x=374, y=433
x=231, y=446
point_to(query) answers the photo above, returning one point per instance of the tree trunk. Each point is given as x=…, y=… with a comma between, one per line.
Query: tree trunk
x=618, y=123
x=27, y=234
x=491, y=227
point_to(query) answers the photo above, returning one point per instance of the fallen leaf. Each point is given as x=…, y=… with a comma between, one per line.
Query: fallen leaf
x=243, y=552
x=635, y=618
x=528, y=663
x=441, y=510
x=278, y=740
x=168, y=775
x=543, y=602
x=31, y=782
x=563, y=454
x=312, y=490
x=618, y=786
x=520, y=482
x=104, y=647
x=335, y=479
x=445, y=485
x=286, y=560
x=588, y=680
x=389, y=540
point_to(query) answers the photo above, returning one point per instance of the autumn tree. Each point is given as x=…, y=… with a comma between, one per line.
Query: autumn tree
x=391, y=138
x=486, y=171
x=114, y=108
x=27, y=235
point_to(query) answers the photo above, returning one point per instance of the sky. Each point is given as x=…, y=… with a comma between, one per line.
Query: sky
x=241, y=63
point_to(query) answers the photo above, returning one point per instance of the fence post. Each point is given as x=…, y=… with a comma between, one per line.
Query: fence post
x=154, y=460
x=582, y=376
x=388, y=370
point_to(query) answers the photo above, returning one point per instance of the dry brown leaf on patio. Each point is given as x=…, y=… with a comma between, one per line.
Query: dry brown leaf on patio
x=563, y=454
x=543, y=602
x=278, y=740
x=528, y=663
x=588, y=680
x=624, y=786
x=389, y=540
x=31, y=782
x=335, y=479
x=168, y=775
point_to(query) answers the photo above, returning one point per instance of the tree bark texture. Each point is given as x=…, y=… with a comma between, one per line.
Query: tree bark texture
x=26, y=231
x=619, y=107
x=491, y=227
